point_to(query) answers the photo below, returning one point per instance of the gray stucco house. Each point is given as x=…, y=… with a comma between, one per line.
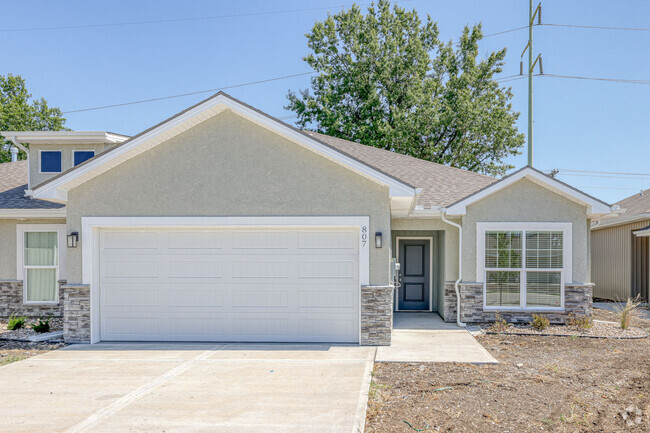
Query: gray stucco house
x=222, y=223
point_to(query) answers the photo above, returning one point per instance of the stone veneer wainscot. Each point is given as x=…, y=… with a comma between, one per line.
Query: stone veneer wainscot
x=577, y=300
x=376, y=315
x=11, y=302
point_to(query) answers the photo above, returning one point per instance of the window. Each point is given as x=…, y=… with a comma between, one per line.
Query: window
x=523, y=267
x=80, y=156
x=50, y=161
x=40, y=261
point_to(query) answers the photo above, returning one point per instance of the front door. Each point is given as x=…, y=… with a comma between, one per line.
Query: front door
x=415, y=260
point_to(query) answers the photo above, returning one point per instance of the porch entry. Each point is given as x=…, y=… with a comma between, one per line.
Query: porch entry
x=414, y=256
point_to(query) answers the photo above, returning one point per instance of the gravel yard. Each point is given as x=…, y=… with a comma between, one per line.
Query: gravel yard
x=56, y=324
x=542, y=384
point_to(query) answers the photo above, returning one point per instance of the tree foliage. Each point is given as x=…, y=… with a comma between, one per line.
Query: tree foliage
x=385, y=79
x=17, y=113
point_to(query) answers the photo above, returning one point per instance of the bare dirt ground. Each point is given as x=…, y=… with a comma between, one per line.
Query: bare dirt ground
x=542, y=384
x=12, y=351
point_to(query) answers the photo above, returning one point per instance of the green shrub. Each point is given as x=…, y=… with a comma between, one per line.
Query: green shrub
x=15, y=322
x=540, y=322
x=581, y=322
x=41, y=325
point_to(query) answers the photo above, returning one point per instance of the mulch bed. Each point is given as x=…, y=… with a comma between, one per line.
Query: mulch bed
x=56, y=324
x=541, y=384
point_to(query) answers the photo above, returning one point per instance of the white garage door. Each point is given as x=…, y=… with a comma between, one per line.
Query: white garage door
x=264, y=284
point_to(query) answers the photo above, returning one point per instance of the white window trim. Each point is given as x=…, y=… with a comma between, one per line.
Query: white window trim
x=82, y=150
x=21, y=273
x=566, y=273
x=40, y=161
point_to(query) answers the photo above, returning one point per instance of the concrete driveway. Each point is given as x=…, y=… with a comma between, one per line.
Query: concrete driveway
x=188, y=388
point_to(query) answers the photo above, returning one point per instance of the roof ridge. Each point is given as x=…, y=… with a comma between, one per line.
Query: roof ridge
x=406, y=156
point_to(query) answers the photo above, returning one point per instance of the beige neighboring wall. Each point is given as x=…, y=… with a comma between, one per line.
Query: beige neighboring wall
x=36, y=178
x=611, y=257
x=8, y=259
x=525, y=201
x=229, y=166
x=435, y=224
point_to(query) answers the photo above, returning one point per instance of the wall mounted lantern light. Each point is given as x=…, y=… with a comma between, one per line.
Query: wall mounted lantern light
x=378, y=240
x=73, y=239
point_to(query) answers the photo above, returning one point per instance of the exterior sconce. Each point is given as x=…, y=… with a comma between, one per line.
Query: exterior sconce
x=73, y=239
x=378, y=240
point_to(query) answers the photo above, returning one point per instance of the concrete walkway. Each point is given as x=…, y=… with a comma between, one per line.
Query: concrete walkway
x=425, y=337
x=611, y=306
x=188, y=387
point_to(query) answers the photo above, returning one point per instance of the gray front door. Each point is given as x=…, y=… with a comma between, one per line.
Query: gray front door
x=415, y=260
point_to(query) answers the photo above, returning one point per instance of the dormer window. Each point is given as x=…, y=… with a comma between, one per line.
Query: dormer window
x=80, y=156
x=50, y=161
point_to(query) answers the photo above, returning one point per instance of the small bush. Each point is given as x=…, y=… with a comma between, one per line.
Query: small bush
x=499, y=324
x=627, y=311
x=41, y=325
x=581, y=322
x=540, y=322
x=15, y=322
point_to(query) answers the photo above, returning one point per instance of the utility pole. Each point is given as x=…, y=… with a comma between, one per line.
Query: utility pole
x=531, y=67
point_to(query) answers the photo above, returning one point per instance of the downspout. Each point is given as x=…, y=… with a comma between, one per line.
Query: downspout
x=24, y=149
x=460, y=264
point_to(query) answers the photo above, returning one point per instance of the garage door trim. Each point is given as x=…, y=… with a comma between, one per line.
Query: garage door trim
x=90, y=242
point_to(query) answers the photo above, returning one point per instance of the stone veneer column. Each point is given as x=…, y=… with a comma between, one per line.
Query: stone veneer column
x=76, y=313
x=449, y=311
x=376, y=315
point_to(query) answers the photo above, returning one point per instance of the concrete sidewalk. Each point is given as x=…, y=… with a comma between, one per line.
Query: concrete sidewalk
x=154, y=387
x=425, y=337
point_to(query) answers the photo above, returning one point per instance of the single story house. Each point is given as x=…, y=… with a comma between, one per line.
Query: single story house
x=223, y=223
x=621, y=253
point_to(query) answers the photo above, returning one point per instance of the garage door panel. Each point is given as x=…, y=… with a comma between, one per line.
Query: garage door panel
x=130, y=268
x=194, y=240
x=292, y=285
x=191, y=267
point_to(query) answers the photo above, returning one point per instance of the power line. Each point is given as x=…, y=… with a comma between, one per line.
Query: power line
x=176, y=20
x=142, y=101
x=600, y=172
x=601, y=176
x=637, y=29
x=616, y=80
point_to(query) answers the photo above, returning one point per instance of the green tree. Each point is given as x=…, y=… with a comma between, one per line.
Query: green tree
x=17, y=113
x=385, y=79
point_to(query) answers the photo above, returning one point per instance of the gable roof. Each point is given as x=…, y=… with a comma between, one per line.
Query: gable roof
x=13, y=183
x=441, y=185
x=635, y=208
x=57, y=187
x=594, y=205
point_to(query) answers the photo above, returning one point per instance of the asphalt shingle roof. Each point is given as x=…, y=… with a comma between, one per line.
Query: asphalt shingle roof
x=441, y=185
x=13, y=183
x=636, y=204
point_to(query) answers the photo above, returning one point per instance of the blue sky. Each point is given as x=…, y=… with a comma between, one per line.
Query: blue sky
x=580, y=125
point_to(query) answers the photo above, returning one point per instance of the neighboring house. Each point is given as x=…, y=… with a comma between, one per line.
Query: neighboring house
x=224, y=224
x=620, y=252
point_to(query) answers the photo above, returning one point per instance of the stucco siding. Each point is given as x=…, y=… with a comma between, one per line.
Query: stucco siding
x=449, y=244
x=37, y=178
x=611, y=251
x=8, y=244
x=525, y=201
x=229, y=166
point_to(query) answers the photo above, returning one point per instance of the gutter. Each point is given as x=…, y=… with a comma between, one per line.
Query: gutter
x=443, y=214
